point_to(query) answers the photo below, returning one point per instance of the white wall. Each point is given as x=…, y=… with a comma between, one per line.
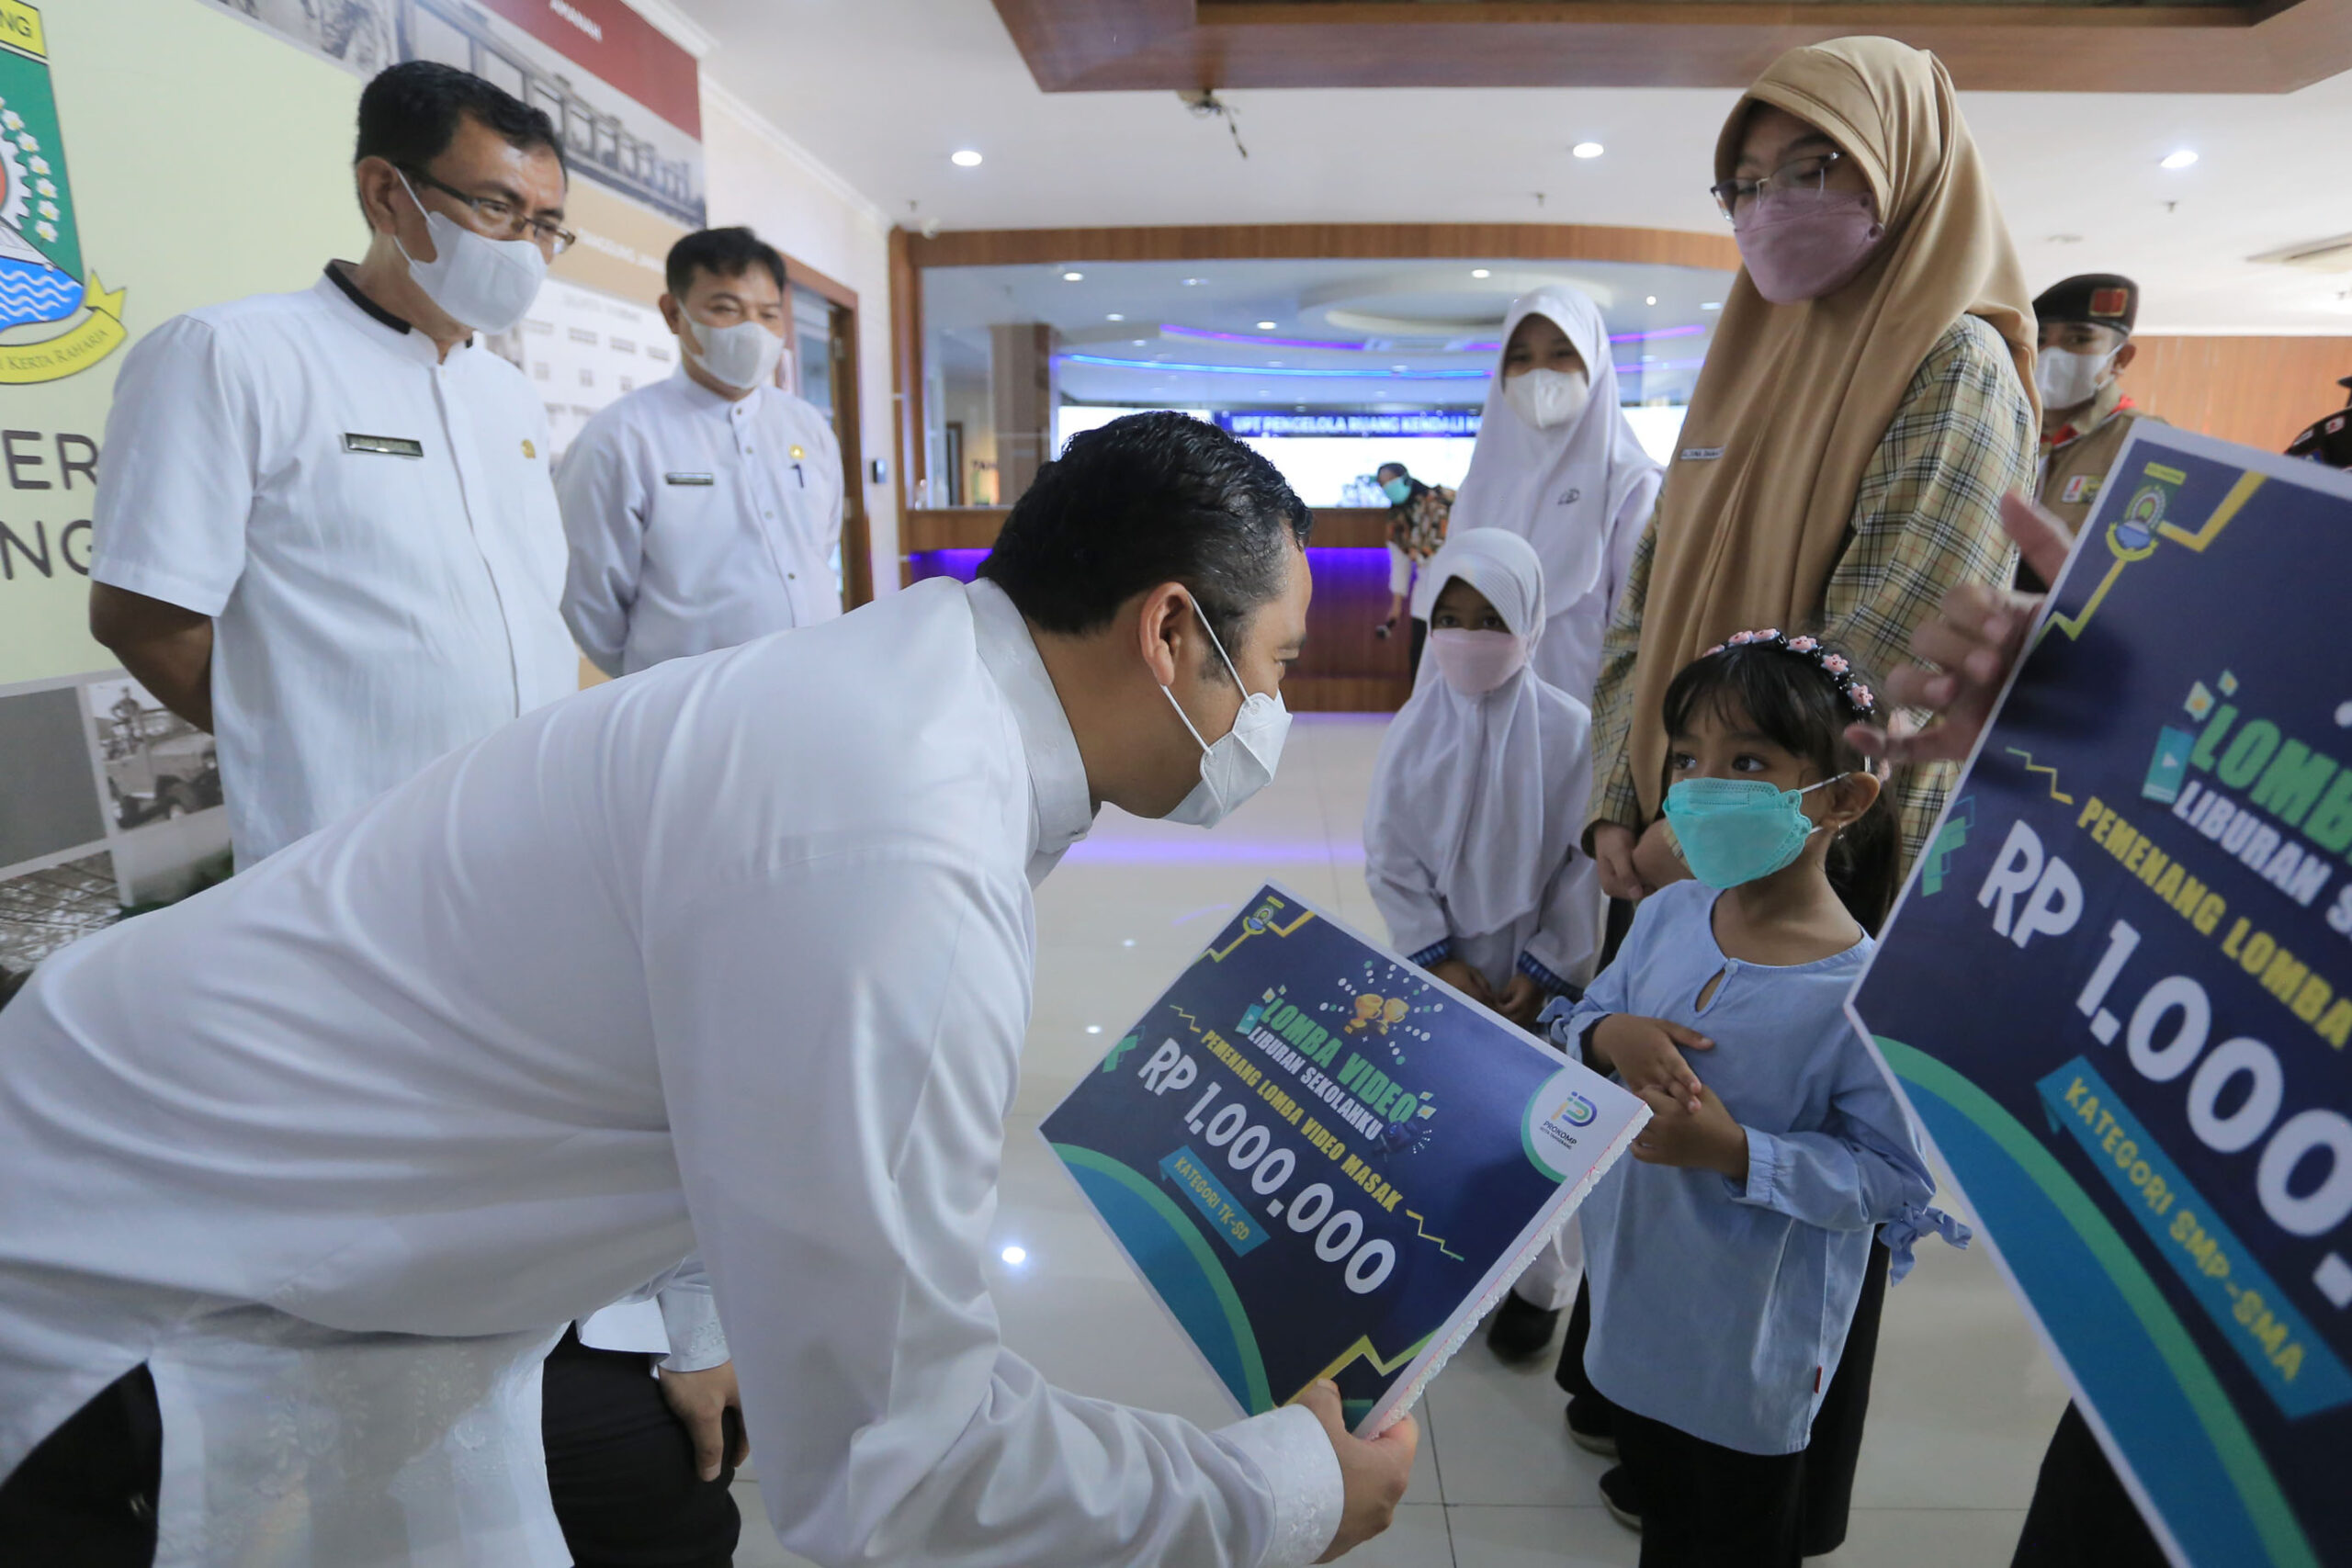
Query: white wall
x=759, y=177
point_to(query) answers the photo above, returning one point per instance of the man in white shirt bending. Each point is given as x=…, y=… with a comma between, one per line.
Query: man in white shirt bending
x=325, y=531
x=703, y=511
x=733, y=956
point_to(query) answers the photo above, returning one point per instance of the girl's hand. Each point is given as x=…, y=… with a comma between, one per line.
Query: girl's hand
x=1457, y=973
x=1521, y=1001
x=1645, y=1052
x=1612, y=853
x=1703, y=1139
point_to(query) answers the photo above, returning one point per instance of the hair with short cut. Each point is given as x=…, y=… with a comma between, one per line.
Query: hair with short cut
x=722, y=253
x=1386, y=469
x=1791, y=700
x=1149, y=499
x=409, y=115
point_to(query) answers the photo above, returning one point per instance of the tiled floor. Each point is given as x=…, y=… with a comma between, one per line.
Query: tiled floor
x=1964, y=1399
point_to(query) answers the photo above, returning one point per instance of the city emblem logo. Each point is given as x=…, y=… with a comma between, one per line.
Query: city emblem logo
x=41, y=276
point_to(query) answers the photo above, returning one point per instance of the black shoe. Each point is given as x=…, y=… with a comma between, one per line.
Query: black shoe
x=1593, y=1427
x=1617, y=1494
x=1520, y=1328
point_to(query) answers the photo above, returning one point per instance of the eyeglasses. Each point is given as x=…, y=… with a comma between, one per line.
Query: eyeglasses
x=500, y=219
x=1737, y=198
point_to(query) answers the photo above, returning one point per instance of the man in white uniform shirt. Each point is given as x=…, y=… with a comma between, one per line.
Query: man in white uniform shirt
x=733, y=956
x=325, y=531
x=703, y=511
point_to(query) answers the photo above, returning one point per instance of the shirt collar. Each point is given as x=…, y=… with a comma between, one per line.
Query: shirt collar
x=1060, y=809
x=2109, y=402
x=700, y=397
x=406, y=339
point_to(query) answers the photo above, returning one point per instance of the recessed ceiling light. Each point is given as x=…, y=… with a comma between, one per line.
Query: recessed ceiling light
x=1072, y=276
x=964, y=158
x=1265, y=326
x=1016, y=1256
x=1711, y=305
x=2179, y=160
x=1480, y=272
x=1114, y=316
x=1397, y=367
x=1273, y=363
x=1651, y=301
x=1587, y=149
x=1093, y=1029
x=1195, y=282
x=1138, y=343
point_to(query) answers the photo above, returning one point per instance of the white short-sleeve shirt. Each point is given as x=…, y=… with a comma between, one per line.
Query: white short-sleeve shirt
x=697, y=523
x=372, y=529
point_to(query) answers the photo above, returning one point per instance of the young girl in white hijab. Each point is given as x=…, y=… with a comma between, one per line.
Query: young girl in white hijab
x=1477, y=800
x=1557, y=465
x=1470, y=840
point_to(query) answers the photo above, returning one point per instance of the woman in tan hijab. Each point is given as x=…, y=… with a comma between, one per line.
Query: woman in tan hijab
x=1864, y=407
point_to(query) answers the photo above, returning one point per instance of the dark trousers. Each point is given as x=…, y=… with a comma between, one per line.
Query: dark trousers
x=1704, y=1506
x=621, y=1467
x=2080, y=1516
x=86, y=1498
x=1835, y=1451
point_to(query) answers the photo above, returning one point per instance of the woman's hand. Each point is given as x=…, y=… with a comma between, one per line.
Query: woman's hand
x=1457, y=973
x=1976, y=639
x=1702, y=1139
x=1612, y=852
x=1656, y=860
x=1647, y=1054
x=1521, y=1001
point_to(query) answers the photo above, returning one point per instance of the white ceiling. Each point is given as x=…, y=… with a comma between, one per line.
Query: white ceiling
x=884, y=90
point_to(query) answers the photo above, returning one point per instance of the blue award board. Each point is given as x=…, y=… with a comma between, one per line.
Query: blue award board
x=2118, y=992
x=1325, y=1163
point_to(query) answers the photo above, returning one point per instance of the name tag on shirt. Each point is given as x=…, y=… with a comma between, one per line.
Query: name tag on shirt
x=688, y=480
x=2081, y=488
x=383, y=446
x=1702, y=454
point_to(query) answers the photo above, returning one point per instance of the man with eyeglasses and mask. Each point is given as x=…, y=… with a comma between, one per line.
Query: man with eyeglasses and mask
x=2085, y=345
x=703, y=511
x=325, y=531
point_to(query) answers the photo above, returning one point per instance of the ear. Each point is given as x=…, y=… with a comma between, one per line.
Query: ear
x=671, y=312
x=380, y=190
x=1164, y=631
x=1851, y=797
x=2126, y=354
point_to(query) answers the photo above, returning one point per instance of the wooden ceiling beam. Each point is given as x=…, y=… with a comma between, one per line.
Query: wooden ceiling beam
x=2267, y=46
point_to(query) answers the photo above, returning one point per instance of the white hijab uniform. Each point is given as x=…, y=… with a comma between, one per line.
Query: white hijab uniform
x=1580, y=494
x=1477, y=802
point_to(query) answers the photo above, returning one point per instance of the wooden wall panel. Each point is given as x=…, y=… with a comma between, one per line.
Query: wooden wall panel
x=2266, y=46
x=2257, y=391
x=1377, y=242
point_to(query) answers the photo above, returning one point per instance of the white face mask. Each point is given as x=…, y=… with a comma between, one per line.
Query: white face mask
x=742, y=356
x=1241, y=763
x=1547, y=398
x=2066, y=378
x=480, y=283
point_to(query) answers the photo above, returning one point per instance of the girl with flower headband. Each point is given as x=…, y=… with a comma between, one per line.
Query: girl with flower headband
x=1728, y=1260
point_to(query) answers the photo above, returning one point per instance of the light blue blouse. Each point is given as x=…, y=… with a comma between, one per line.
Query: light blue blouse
x=1718, y=1309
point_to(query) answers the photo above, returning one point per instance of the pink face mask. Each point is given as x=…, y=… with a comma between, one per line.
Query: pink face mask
x=1474, y=663
x=1802, y=244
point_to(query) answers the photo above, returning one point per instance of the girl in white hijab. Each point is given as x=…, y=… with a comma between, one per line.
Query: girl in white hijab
x=1470, y=840
x=1557, y=465
x=1477, y=801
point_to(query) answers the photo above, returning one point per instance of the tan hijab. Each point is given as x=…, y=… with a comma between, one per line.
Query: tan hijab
x=1797, y=397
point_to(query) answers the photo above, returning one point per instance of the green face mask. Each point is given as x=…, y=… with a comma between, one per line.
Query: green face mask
x=1397, y=491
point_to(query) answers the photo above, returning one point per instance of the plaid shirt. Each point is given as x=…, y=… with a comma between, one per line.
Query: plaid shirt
x=1927, y=518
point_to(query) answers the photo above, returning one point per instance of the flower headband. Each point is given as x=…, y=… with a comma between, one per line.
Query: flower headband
x=1841, y=675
